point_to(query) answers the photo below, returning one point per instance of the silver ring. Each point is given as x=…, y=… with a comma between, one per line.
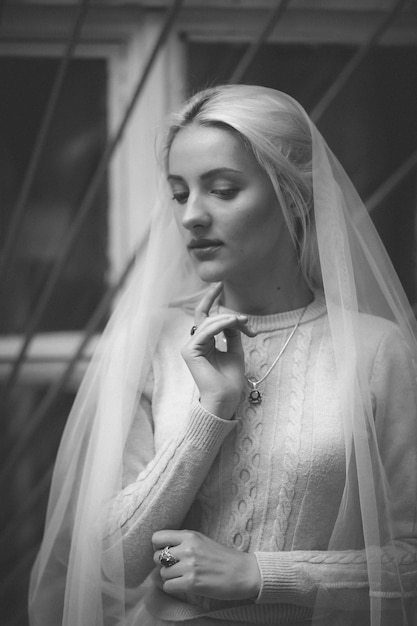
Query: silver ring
x=167, y=559
x=193, y=329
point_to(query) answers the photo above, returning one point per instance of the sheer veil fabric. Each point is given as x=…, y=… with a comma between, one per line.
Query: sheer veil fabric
x=71, y=584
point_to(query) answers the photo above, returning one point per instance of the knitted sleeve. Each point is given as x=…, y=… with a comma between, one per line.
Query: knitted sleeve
x=161, y=485
x=297, y=576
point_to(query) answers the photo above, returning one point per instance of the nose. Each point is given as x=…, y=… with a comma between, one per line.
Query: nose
x=195, y=213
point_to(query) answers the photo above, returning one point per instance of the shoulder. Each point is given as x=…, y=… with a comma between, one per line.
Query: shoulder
x=384, y=346
x=374, y=329
x=379, y=342
x=376, y=332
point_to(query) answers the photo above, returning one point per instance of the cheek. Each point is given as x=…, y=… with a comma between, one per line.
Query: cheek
x=257, y=226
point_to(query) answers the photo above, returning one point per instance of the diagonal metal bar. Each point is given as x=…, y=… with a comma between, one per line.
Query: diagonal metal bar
x=6, y=255
x=89, y=197
x=36, y=418
x=253, y=49
x=392, y=182
x=328, y=97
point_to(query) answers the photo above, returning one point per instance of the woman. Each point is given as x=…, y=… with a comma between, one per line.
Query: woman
x=243, y=453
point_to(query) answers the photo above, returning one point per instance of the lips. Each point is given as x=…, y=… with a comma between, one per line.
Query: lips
x=204, y=244
x=204, y=249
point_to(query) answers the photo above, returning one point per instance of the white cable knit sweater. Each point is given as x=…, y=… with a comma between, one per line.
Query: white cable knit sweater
x=269, y=481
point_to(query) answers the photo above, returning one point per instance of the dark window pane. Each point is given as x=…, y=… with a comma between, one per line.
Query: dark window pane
x=75, y=141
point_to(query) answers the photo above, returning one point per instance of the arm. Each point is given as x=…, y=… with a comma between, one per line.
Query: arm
x=165, y=487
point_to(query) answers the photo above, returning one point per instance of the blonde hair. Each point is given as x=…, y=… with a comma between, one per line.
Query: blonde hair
x=276, y=129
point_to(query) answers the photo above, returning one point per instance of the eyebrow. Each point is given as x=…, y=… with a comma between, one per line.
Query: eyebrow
x=209, y=174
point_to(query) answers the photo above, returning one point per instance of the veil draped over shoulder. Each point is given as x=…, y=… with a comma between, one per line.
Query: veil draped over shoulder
x=69, y=583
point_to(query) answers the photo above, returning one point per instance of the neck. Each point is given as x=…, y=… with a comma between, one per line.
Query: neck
x=266, y=297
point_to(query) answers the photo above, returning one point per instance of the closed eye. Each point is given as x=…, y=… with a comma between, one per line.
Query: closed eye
x=180, y=197
x=225, y=194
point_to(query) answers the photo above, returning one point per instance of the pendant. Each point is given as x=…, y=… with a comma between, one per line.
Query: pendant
x=254, y=395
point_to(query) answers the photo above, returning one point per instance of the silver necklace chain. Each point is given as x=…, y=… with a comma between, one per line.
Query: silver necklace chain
x=255, y=396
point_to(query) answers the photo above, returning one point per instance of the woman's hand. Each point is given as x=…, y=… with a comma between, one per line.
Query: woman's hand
x=205, y=567
x=219, y=376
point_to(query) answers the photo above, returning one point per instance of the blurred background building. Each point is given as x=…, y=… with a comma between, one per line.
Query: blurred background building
x=84, y=87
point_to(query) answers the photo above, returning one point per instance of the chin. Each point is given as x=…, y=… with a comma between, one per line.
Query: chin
x=210, y=278
x=209, y=274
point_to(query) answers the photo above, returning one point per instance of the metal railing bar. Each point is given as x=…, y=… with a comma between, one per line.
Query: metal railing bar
x=253, y=49
x=350, y=67
x=392, y=182
x=6, y=255
x=36, y=417
x=89, y=197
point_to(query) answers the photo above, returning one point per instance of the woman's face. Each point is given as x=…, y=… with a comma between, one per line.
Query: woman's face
x=225, y=205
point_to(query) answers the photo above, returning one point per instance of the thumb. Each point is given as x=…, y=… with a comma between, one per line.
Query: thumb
x=233, y=341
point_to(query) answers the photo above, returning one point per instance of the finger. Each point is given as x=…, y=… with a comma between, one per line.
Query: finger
x=176, y=586
x=242, y=327
x=172, y=550
x=175, y=571
x=233, y=339
x=225, y=322
x=203, y=308
x=163, y=538
x=159, y=583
